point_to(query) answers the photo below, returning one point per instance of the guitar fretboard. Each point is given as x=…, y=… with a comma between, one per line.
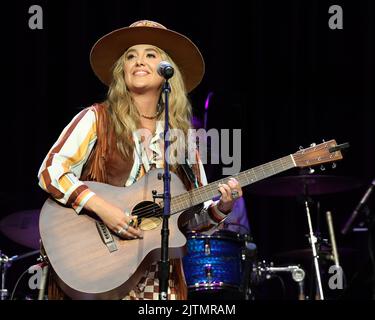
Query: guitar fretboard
x=202, y=194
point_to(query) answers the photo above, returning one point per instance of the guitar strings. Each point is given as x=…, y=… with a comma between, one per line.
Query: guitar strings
x=149, y=210
x=154, y=209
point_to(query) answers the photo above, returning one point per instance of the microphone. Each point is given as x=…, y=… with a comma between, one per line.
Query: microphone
x=165, y=70
x=358, y=208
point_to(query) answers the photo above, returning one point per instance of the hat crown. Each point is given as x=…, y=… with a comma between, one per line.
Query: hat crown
x=147, y=23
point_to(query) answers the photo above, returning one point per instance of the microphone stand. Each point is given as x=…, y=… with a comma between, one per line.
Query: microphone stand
x=164, y=262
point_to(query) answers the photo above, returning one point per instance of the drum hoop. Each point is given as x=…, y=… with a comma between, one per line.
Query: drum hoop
x=239, y=238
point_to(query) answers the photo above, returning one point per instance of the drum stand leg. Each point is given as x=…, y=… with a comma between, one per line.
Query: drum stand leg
x=313, y=241
x=43, y=282
x=248, y=256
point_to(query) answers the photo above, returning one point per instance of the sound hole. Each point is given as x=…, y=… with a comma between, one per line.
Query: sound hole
x=149, y=215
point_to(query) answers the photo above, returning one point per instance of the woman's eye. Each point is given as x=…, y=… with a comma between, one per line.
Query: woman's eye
x=130, y=56
x=151, y=55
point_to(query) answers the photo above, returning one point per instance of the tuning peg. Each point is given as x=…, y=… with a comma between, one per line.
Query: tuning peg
x=300, y=147
x=311, y=170
x=323, y=140
x=334, y=165
x=313, y=144
x=322, y=168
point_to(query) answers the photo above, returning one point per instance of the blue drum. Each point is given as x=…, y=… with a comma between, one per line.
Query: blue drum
x=215, y=263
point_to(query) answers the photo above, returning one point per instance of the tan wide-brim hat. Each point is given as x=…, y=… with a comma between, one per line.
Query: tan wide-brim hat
x=108, y=49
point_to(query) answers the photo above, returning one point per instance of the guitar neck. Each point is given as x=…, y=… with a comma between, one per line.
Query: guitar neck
x=202, y=194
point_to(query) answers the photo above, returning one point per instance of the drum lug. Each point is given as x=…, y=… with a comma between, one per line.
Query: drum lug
x=207, y=247
x=208, y=271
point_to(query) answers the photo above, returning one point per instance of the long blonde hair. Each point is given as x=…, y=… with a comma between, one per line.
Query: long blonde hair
x=124, y=116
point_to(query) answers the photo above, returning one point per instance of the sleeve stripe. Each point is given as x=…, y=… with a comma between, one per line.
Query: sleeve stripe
x=78, y=156
x=56, y=193
x=75, y=194
x=81, y=197
x=214, y=214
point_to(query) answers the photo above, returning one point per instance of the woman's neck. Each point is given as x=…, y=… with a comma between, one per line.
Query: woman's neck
x=146, y=104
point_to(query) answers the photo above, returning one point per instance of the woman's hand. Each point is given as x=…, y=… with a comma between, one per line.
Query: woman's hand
x=124, y=225
x=229, y=194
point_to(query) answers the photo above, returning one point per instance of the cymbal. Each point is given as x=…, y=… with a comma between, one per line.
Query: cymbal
x=22, y=227
x=292, y=186
x=306, y=254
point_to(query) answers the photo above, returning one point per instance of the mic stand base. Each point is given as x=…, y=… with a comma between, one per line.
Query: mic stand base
x=164, y=262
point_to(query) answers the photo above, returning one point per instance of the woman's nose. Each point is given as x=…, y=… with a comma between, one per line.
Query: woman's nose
x=140, y=61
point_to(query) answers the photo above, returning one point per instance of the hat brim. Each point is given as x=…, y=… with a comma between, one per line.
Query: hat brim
x=108, y=49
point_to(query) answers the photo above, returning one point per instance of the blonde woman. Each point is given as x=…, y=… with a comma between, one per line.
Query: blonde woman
x=119, y=140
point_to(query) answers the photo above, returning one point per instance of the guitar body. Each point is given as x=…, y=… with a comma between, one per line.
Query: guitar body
x=84, y=266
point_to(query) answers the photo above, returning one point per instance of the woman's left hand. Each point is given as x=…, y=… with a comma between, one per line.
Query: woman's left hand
x=229, y=194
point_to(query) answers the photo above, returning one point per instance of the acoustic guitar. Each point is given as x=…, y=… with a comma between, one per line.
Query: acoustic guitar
x=92, y=263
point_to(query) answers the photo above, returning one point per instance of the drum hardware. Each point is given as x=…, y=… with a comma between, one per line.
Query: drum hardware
x=5, y=264
x=249, y=254
x=263, y=271
x=207, y=247
x=335, y=253
x=360, y=206
x=45, y=269
x=314, y=242
x=208, y=270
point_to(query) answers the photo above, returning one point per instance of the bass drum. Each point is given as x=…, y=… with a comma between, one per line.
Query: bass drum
x=216, y=266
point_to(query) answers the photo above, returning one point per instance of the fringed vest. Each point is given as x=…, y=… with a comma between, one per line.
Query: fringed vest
x=106, y=164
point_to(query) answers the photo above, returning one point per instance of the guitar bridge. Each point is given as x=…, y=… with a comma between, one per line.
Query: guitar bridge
x=106, y=236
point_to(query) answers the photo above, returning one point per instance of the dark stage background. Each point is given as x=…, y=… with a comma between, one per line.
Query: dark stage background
x=277, y=72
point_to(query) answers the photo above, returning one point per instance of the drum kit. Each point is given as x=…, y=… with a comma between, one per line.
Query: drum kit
x=223, y=264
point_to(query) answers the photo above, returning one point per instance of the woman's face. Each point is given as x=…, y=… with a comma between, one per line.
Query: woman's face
x=140, y=67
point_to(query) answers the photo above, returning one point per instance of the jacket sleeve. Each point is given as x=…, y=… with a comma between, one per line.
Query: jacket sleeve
x=61, y=169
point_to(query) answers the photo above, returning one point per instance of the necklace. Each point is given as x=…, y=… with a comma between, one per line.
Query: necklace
x=150, y=117
x=159, y=108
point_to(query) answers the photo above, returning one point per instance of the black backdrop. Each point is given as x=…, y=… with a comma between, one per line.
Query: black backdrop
x=276, y=70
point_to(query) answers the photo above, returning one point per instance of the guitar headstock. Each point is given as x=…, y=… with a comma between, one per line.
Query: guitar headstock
x=318, y=154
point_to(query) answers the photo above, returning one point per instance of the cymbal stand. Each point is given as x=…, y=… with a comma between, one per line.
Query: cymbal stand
x=4, y=265
x=313, y=242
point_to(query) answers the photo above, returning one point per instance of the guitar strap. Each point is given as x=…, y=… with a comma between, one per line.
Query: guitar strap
x=188, y=169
